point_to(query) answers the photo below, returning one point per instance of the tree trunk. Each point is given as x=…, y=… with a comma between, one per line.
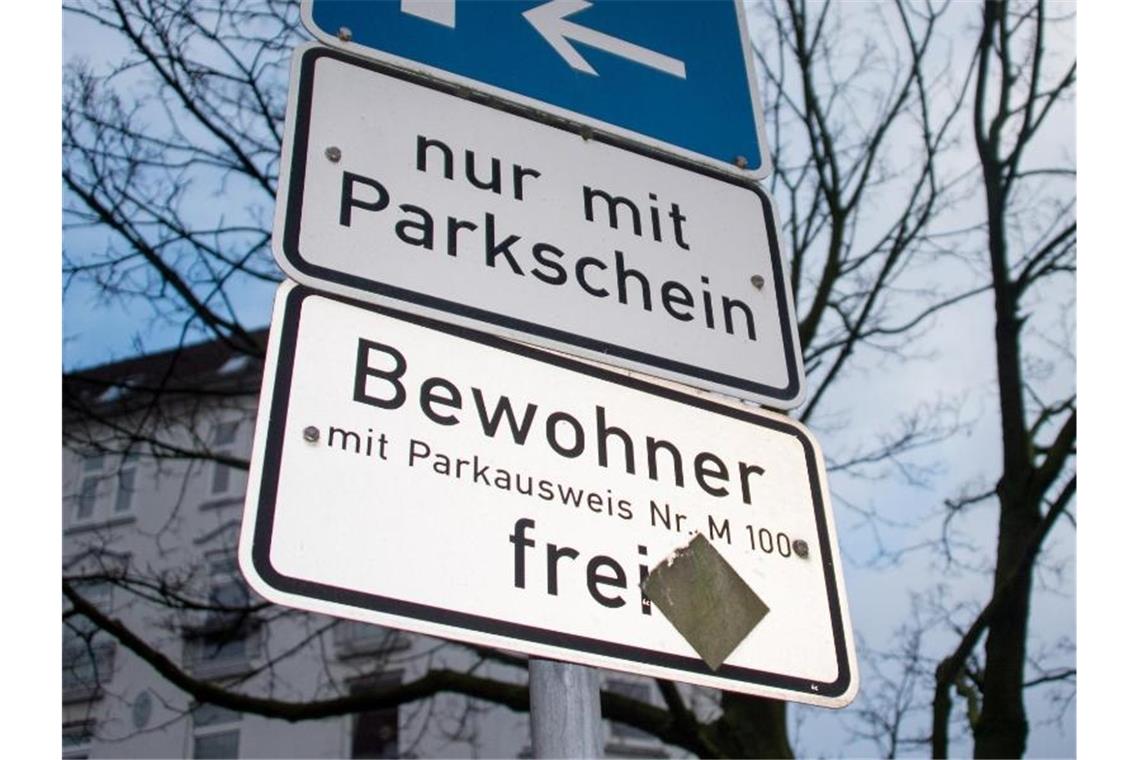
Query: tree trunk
x=1002, y=727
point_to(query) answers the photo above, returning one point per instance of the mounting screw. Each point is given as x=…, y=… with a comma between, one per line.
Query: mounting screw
x=332, y=154
x=344, y=34
x=800, y=547
x=757, y=282
x=741, y=162
x=312, y=435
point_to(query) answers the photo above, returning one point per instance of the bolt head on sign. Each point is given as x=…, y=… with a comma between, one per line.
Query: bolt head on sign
x=474, y=488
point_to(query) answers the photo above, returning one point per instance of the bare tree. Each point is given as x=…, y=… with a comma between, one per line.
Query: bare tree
x=1030, y=241
x=170, y=171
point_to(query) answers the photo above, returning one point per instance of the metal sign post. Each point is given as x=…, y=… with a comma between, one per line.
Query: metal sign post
x=565, y=710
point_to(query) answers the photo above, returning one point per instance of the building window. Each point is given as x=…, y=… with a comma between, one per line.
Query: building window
x=225, y=639
x=217, y=732
x=375, y=733
x=88, y=653
x=87, y=493
x=94, y=499
x=89, y=487
x=87, y=665
x=77, y=736
x=125, y=484
x=353, y=638
x=222, y=444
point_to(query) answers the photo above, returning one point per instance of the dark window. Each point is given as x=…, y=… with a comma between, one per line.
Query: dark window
x=77, y=733
x=225, y=435
x=86, y=664
x=87, y=493
x=220, y=745
x=126, y=490
x=376, y=733
x=216, y=734
x=88, y=653
x=225, y=641
x=354, y=638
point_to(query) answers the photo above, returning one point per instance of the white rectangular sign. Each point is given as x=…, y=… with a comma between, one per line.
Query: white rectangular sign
x=403, y=194
x=428, y=477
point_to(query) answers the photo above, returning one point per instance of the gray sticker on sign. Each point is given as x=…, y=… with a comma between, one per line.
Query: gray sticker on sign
x=707, y=601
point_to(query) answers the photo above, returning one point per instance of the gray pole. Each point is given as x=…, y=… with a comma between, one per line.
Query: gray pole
x=565, y=710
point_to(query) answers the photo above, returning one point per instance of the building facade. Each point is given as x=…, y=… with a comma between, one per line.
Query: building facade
x=150, y=541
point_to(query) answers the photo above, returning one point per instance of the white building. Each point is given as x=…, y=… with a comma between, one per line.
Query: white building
x=150, y=539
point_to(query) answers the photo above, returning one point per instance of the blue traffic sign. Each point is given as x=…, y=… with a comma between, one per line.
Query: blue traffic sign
x=675, y=75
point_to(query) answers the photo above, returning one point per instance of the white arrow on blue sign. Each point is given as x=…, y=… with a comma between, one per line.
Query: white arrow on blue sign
x=675, y=75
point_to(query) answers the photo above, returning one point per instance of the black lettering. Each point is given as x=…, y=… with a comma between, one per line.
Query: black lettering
x=453, y=227
x=425, y=226
x=503, y=248
x=364, y=370
x=344, y=436
x=624, y=512
x=491, y=426
x=559, y=276
x=668, y=299
x=579, y=444
x=518, y=538
x=429, y=397
x=643, y=571
x=594, y=502
x=655, y=218
x=520, y=175
x=624, y=274
x=724, y=531
x=595, y=579
x=422, y=144
x=494, y=184
x=652, y=446
x=612, y=203
x=417, y=450
x=677, y=217
x=604, y=434
x=479, y=473
x=569, y=495
x=745, y=486
x=349, y=201
x=580, y=273
x=708, y=305
x=717, y=471
x=553, y=554
x=729, y=304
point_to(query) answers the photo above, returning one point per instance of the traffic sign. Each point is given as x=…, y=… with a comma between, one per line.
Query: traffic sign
x=673, y=74
x=423, y=476
x=408, y=196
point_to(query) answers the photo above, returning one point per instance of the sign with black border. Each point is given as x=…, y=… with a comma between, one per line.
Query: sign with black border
x=403, y=194
x=626, y=68
x=357, y=506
